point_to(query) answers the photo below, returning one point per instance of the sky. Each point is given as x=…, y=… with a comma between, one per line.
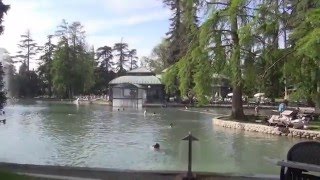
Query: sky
x=141, y=23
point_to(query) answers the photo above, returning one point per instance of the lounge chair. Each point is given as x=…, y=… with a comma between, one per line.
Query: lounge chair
x=303, y=152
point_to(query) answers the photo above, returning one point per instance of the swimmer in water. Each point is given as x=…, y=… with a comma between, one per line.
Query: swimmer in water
x=145, y=112
x=171, y=125
x=118, y=109
x=156, y=146
x=186, y=107
x=154, y=113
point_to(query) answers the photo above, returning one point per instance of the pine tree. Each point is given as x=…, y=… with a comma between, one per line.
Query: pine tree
x=133, y=58
x=28, y=49
x=46, y=65
x=104, y=57
x=73, y=64
x=176, y=32
x=3, y=9
x=121, y=50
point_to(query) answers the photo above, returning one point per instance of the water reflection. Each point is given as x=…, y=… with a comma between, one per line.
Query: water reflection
x=99, y=136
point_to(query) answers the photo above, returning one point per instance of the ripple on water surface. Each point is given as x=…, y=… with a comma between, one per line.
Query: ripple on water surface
x=98, y=136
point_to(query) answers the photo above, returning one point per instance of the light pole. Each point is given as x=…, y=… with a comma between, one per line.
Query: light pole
x=190, y=138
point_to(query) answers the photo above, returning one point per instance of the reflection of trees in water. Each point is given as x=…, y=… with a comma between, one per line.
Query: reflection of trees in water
x=183, y=122
x=70, y=132
x=256, y=152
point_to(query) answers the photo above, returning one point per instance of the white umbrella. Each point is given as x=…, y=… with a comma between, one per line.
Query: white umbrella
x=259, y=94
x=230, y=94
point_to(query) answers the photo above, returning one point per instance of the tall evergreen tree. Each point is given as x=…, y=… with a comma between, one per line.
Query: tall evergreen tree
x=176, y=32
x=3, y=9
x=183, y=39
x=28, y=49
x=133, y=58
x=46, y=65
x=121, y=50
x=73, y=64
x=104, y=57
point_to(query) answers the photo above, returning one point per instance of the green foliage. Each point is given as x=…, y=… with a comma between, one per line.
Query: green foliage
x=304, y=68
x=46, y=66
x=3, y=97
x=60, y=70
x=73, y=65
x=309, y=44
x=28, y=83
x=177, y=34
x=170, y=79
x=133, y=58
x=122, y=53
x=157, y=61
x=28, y=49
x=202, y=76
x=3, y=10
x=246, y=35
x=12, y=176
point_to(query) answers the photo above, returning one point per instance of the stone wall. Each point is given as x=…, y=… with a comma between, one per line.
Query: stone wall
x=290, y=132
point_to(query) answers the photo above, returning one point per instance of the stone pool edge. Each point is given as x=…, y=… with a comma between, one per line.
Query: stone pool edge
x=106, y=173
x=251, y=127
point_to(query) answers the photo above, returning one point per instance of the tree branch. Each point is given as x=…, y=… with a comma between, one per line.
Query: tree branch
x=265, y=72
x=218, y=3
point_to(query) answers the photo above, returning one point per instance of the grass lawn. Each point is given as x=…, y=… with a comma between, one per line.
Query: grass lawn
x=314, y=125
x=12, y=176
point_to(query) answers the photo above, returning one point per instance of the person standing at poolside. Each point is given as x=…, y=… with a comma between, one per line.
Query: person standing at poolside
x=282, y=107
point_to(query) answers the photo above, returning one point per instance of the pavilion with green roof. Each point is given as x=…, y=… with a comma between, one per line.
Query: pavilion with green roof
x=137, y=87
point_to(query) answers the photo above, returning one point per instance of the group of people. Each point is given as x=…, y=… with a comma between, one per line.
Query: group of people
x=93, y=97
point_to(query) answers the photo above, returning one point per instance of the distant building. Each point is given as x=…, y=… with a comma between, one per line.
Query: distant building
x=137, y=87
x=220, y=86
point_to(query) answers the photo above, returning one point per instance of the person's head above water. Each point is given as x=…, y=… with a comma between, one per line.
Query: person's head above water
x=156, y=146
x=171, y=124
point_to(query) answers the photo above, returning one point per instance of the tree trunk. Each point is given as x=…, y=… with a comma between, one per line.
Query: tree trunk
x=28, y=55
x=237, y=105
x=50, y=88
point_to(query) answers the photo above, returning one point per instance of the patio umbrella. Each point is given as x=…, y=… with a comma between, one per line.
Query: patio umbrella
x=259, y=94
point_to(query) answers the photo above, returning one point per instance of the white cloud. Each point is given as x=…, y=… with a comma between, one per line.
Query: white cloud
x=20, y=17
x=94, y=26
x=111, y=40
x=125, y=6
x=43, y=16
